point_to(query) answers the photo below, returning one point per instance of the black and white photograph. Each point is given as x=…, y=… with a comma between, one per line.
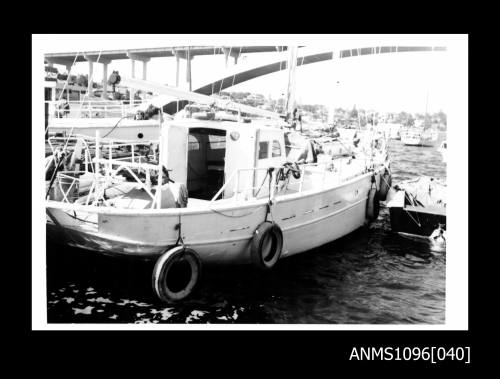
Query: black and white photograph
x=249, y=182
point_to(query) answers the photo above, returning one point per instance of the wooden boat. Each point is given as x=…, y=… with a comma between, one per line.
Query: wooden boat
x=212, y=192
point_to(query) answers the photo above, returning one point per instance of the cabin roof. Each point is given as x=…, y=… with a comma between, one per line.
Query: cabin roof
x=191, y=123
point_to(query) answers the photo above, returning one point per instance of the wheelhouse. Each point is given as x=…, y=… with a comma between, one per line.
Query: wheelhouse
x=205, y=154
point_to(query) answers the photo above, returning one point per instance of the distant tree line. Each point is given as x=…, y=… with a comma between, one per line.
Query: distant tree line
x=362, y=117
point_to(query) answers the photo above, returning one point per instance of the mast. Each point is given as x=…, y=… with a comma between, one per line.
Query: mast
x=290, y=93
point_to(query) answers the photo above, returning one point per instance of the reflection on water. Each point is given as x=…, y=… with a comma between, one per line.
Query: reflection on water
x=370, y=276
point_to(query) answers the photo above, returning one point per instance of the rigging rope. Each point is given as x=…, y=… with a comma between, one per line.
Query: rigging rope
x=81, y=102
x=234, y=75
x=222, y=81
x=113, y=128
x=67, y=79
x=70, y=133
x=65, y=84
x=213, y=83
x=269, y=210
x=281, y=63
x=267, y=173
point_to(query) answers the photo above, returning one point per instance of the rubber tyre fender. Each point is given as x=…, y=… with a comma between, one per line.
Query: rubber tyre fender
x=373, y=205
x=163, y=273
x=385, y=185
x=267, y=245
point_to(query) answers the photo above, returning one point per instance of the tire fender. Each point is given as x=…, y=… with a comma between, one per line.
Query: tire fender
x=385, y=185
x=176, y=273
x=267, y=245
x=373, y=204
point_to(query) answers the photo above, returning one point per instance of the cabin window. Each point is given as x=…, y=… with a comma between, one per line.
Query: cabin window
x=193, y=143
x=263, y=150
x=276, y=149
x=216, y=142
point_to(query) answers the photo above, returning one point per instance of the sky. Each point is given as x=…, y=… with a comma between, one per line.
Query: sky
x=386, y=82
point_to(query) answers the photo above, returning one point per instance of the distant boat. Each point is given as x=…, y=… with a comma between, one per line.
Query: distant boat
x=421, y=134
x=419, y=137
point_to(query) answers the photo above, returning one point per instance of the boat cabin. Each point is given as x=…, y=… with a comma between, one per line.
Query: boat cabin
x=205, y=154
x=206, y=159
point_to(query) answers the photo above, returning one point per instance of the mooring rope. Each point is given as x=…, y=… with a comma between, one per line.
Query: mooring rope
x=269, y=210
x=179, y=228
x=409, y=214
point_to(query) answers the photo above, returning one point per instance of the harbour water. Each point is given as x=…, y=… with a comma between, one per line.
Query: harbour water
x=371, y=276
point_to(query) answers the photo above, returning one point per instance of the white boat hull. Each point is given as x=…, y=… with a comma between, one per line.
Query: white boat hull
x=222, y=235
x=113, y=128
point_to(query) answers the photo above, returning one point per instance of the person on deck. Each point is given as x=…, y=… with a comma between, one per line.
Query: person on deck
x=173, y=195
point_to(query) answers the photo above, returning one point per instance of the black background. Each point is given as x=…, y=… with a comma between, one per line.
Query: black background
x=232, y=353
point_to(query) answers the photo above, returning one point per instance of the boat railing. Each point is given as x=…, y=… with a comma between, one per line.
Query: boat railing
x=67, y=185
x=112, y=167
x=103, y=157
x=65, y=142
x=108, y=146
x=91, y=108
x=111, y=145
x=276, y=186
